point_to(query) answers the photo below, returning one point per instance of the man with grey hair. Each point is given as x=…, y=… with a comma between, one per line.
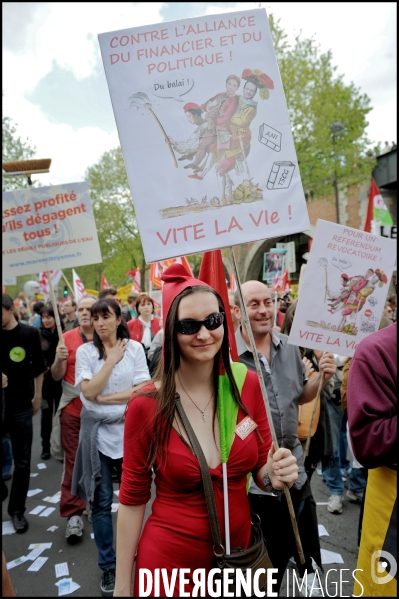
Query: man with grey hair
x=66, y=425
x=287, y=386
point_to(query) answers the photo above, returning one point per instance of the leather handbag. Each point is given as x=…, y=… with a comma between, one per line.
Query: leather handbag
x=256, y=555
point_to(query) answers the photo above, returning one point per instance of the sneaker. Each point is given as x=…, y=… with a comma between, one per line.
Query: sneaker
x=20, y=523
x=354, y=497
x=87, y=513
x=107, y=585
x=335, y=504
x=306, y=591
x=74, y=529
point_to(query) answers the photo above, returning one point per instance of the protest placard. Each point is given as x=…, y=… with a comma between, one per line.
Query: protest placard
x=205, y=133
x=47, y=228
x=344, y=288
x=274, y=263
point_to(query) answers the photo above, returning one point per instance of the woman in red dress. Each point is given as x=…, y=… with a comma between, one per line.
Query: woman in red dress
x=196, y=366
x=144, y=328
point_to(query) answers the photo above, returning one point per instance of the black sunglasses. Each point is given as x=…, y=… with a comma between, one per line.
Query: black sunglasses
x=188, y=326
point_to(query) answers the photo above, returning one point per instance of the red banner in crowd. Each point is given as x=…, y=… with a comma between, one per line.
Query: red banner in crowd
x=212, y=272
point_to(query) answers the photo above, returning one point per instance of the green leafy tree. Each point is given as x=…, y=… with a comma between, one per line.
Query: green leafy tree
x=316, y=98
x=13, y=148
x=117, y=229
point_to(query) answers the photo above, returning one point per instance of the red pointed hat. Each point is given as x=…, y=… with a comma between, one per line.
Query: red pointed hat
x=176, y=279
x=191, y=106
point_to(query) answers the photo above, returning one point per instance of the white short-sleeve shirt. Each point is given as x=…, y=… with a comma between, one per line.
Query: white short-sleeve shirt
x=130, y=371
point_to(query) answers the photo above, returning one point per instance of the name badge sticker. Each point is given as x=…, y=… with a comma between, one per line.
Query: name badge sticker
x=245, y=427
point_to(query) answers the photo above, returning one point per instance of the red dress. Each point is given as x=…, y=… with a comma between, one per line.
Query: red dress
x=136, y=328
x=177, y=534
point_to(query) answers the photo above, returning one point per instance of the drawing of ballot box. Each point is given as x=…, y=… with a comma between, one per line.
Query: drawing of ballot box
x=280, y=175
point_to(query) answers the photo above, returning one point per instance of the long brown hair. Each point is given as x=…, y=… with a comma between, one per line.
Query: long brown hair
x=166, y=394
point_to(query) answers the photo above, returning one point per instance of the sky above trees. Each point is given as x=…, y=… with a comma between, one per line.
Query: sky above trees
x=54, y=86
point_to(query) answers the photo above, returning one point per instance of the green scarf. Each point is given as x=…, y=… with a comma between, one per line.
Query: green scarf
x=227, y=407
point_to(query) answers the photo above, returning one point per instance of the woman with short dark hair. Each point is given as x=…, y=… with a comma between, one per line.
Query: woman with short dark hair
x=144, y=328
x=108, y=370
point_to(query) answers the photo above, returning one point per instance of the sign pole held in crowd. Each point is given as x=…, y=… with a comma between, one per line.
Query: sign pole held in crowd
x=266, y=400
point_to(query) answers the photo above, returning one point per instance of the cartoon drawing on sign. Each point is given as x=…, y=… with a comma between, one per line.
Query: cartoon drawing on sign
x=220, y=143
x=270, y=137
x=141, y=100
x=196, y=147
x=349, y=299
x=281, y=175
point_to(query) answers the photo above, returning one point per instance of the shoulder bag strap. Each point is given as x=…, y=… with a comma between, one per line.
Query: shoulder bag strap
x=206, y=477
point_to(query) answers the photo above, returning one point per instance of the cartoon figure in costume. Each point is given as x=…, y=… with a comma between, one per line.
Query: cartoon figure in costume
x=235, y=155
x=219, y=111
x=200, y=137
x=339, y=297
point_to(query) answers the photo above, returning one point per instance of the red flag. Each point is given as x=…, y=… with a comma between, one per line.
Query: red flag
x=155, y=274
x=104, y=283
x=137, y=281
x=280, y=283
x=370, y=208
x=157, y=268
x=212, y=272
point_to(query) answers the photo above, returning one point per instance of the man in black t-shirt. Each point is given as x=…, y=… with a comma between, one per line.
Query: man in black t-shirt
x=23, y=363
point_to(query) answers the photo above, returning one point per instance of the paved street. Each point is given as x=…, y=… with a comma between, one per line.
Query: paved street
x=82, y=558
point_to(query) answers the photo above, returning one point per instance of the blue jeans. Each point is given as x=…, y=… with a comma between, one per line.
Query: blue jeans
x=343, y=445
x=357, y=482
x=6, y=454
x=19, y=426
x=332, y=476
x=101, y=514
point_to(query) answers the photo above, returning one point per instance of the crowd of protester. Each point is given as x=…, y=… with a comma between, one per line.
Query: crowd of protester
x=110, y=351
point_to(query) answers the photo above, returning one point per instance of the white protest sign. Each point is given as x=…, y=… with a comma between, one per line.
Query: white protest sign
x=205, y=133
x=344, y=288
x=290, y=258
x=47, y=228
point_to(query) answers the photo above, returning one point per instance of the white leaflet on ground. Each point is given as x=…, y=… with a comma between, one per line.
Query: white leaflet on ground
x=8, y=528
x=16, y=562
x=330, y=557
x=33, y=492
x=47, y=512
x=35, y=553
x=37, y=545
x=61, y=569
x=322, y=531
x=37, y=564
x=37, y=509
